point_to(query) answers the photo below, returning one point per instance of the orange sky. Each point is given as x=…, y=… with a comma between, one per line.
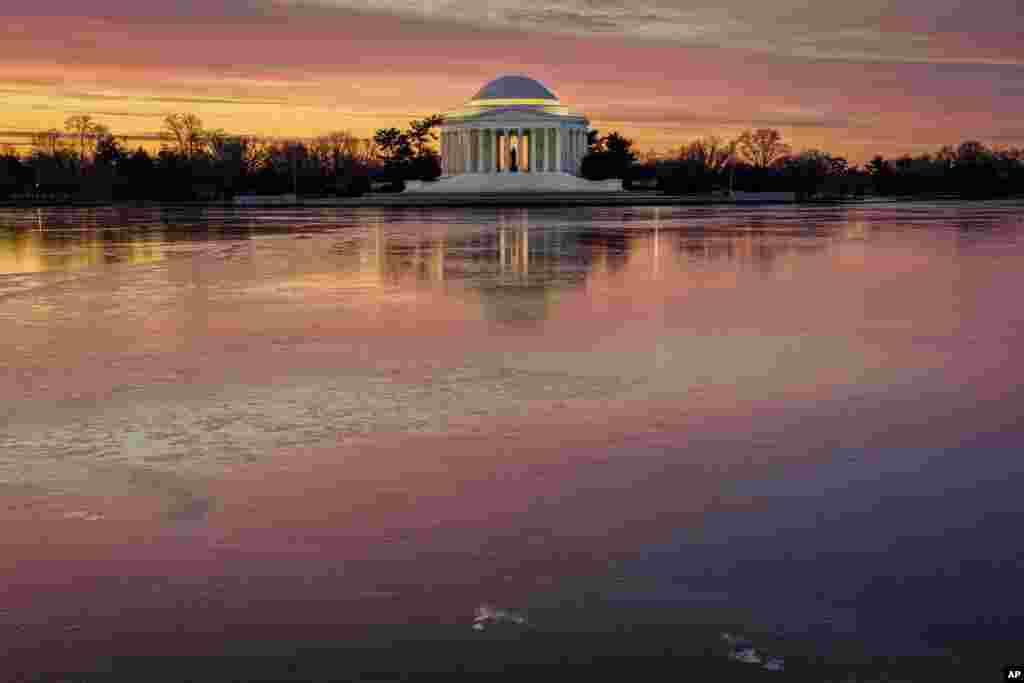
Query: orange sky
x=888, y=77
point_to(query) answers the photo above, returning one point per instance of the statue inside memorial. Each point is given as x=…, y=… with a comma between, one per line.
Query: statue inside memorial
x=513, y=165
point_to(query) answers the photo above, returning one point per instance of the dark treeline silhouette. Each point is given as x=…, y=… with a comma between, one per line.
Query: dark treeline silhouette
x=759, y=161
x=87, y=161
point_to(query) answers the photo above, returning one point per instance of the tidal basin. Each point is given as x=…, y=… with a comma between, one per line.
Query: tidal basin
x=229, y=429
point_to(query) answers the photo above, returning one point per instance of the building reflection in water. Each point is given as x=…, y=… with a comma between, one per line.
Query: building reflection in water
x=515, y=264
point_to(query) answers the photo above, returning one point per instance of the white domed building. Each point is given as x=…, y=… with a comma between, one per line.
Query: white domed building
x=514, y=135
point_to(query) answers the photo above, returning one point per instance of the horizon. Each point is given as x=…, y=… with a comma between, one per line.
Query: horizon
x=888, y=78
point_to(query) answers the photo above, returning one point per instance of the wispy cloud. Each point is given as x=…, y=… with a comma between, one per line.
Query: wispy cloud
x=823, y=30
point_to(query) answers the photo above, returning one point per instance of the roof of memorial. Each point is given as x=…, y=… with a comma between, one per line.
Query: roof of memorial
x=507, y=88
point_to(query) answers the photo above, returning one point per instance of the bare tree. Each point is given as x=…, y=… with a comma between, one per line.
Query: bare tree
x=187, y=132
x=366, y=150
x=762, y=146
x=711, y=151
x=47, y=142
x=216, y=142
x=340, y=147
x=83, y=127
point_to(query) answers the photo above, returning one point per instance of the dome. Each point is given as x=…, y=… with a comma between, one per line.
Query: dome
x=514, y=88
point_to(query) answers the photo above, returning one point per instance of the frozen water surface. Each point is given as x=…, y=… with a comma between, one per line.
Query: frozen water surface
x=803, y=421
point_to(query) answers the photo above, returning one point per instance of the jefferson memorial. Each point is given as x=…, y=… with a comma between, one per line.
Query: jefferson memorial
x=514, y=135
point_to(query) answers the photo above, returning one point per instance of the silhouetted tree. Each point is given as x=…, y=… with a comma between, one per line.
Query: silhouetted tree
x=612, y=160
x=393, y=145
x=108, y=150
x=83, y=128
x=47, y=142
x=410, y=154
x=882, y=175
x=421, y=136
x=711, y=151
x=762, y=147
x=186, y=130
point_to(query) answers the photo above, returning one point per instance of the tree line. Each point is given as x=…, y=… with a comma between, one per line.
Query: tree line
x=86, y=160
x=761, y=161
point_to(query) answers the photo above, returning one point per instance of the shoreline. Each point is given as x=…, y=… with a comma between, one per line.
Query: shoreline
x=401, y=200
x=502, y=200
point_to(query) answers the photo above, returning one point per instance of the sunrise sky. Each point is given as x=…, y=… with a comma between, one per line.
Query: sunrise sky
x=855, y=78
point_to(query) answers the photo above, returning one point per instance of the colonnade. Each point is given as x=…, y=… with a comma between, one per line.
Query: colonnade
x=489, y=150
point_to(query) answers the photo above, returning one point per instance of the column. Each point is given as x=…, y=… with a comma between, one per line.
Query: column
x=478, y=146
x=537, y=165
x=477, y=161
x=484, y=149
x=568, y=149
x=492, y=136
x=576, y=154
x=539, y=132
x=532, y=151
x=521, y=150
x=489, y=140
x=532, y=132
x=547, y=150
x=572, y=148
x=559, y=150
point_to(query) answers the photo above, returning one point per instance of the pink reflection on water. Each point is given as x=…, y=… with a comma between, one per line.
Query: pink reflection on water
x=429, y=417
